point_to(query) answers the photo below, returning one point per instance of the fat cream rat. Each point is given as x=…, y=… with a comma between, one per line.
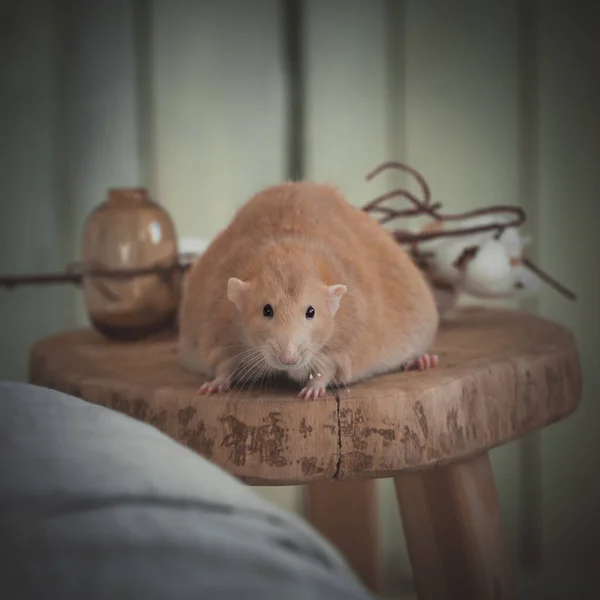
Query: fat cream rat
x=303, y=282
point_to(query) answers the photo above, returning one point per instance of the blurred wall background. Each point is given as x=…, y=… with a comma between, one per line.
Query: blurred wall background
x=205, y=102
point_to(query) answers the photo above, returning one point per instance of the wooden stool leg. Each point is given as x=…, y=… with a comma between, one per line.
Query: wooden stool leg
x=454, y=532
x=346, y=513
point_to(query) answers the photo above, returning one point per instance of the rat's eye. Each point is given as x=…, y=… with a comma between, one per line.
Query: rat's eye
x=268, y=311
x=310, y=312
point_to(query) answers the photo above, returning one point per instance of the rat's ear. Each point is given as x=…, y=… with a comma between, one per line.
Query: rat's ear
x=236, y=291
x=334, y=296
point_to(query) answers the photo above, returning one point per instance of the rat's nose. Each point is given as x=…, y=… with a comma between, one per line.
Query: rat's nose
x=289, y=357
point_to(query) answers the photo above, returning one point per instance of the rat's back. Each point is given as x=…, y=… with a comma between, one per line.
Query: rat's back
x=293, y=207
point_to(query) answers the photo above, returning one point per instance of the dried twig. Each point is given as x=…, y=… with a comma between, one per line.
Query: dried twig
x=398, y=165
x=75, y=276
x=424, y=207
x=559, y=287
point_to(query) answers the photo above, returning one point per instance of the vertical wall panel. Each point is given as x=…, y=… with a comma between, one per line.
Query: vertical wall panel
x=530, y=469
x=462, y=129
x=346, y=105
x=100, y=107
x=218, y=115
x=30, y=226
x=462, y=99
x=569, y=249
x=219, y=102
x=397, y=570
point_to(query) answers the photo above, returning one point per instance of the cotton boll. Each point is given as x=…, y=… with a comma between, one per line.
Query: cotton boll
x=442, y=263
x=441, y=244
x=527, y=283
x=446, y=251
x=526, y=239
x=513, y=242
x=192, y=245
x=445, y=301
x=489, y=274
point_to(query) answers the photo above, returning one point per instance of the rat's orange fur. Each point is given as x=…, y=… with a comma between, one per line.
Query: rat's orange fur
x=289, y=242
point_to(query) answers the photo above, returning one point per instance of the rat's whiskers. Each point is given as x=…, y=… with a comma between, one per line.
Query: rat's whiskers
x=260, y=370
x=269, y=376
x=266, y=377
x=245, y=368
x=247, y=353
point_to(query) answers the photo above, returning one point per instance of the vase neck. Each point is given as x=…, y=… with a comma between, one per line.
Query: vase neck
x=127, y=196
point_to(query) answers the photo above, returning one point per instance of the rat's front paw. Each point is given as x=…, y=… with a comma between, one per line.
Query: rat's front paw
x=218, y=384
x=313, y=390
x=316, y=388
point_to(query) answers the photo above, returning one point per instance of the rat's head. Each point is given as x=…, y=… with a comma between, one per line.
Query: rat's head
x=287, y=313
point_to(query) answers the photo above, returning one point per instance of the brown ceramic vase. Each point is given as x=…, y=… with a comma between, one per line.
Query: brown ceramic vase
x=130, y=231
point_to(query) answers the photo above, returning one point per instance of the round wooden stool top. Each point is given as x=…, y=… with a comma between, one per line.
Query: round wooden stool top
x=502, y=374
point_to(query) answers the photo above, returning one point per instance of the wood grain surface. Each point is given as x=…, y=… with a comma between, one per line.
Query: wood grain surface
x=502, y=374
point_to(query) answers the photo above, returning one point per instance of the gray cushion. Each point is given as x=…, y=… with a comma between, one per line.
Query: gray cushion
x=94, y=504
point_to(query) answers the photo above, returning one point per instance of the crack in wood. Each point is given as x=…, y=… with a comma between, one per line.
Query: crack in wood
x=338, y=465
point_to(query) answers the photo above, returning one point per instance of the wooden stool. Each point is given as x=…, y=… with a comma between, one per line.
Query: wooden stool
x=502, y=374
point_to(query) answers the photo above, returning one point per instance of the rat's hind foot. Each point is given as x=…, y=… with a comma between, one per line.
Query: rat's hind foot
x=427, y=361
x=218, y=385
